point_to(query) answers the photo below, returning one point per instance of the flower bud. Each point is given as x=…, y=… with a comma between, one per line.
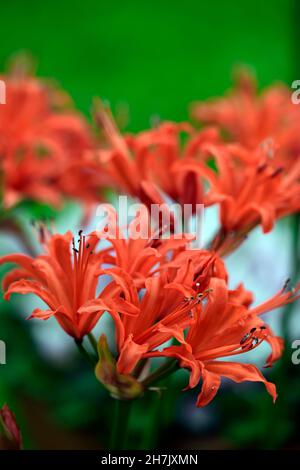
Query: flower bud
x=10, y=435
x=123, y=387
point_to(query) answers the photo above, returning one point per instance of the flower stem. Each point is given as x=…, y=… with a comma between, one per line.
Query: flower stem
x=140, y=367
x=85, y=354
x=151, y=430
x=120, y=427
x=166, y=369
x=224, y=242
x=16, y=228
x=93, y=342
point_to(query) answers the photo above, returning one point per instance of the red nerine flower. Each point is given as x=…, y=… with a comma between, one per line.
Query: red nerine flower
x=163, y=309
x=140, y=164
x=145, y=253
x=43, y=146
x=249, y=186
x=64, y=278
x=226, y=326
x=160, y=280
x=166, y=291
x=250, y=118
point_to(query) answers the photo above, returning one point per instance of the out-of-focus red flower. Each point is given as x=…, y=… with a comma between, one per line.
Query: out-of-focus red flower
x=64, y=278
x=43, y=146
x=249, y=186
x=226, y=326
x=250, y=118
x=12, y=438
x=140, y=164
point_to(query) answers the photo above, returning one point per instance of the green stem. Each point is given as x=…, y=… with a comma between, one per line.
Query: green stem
x=12, y=225
x=119, y=435
x=85, y=354
x=140, y=367
x=168, y=368
x=93, y=342
x=152, y=429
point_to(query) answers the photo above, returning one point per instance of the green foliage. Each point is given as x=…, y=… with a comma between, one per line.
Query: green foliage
x=155, y=57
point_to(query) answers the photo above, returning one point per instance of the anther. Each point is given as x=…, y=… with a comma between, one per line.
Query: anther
x=188, y=299
x=244, y=338
x=207, y=291
x=261, y=167
x=277, y=172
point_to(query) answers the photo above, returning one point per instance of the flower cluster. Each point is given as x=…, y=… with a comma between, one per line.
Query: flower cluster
x=157, y=291
x=166, y=299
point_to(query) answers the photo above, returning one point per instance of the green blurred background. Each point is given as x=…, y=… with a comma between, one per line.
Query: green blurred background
x=152, y=58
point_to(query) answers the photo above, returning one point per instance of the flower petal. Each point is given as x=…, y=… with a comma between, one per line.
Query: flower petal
x=240, y=373
x=130, y=354
x=31, y=287
x=185, y=358
x=210, y=385
x=277, y=346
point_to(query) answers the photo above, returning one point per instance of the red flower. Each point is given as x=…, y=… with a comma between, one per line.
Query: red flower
x=163, y=310
x=225, y=326
x=140, y=165
x=147, y=254
x=40, y=147
x=12, y=438
x=64, y=278
x=249, y=186
x=250, y=118
x=162, y=305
